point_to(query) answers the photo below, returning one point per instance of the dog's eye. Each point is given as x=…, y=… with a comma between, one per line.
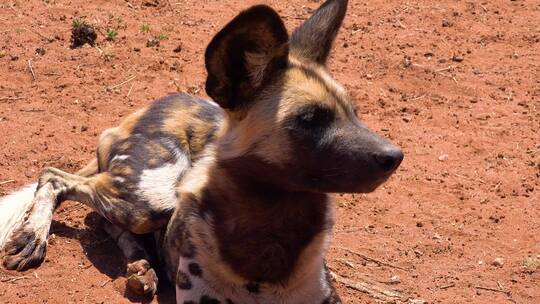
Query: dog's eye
x=315, y=116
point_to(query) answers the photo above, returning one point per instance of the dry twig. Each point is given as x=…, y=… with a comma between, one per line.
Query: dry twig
x=370, y=259
x=49, y=39
x=106, y=282
x=31, y=69
x=10, y=98
x=447, y=286
x=130, y=88
x=7, y=182
x=375, y=290
x=13, y=279
x=493, y=289
x=122, y=83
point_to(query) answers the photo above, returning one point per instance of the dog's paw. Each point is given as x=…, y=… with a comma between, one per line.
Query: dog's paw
x=141, y=278
x=24, y=250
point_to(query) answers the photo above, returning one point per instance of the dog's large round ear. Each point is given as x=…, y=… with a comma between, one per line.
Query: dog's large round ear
x=313, y=40
x=245, y=55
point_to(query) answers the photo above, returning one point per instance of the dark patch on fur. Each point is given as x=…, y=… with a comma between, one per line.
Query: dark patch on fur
x=183, y=281
x=195, y=269
x=24, y=251
x=254, y=288
x=262, y=248
x=190, y=133
x=208, y=300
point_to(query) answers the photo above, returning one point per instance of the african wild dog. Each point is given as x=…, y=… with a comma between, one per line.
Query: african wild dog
x=238, y=188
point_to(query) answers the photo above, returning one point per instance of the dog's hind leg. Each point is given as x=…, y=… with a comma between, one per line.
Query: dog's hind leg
x=141, y=277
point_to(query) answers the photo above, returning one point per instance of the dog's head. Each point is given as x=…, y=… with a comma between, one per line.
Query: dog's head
x=290, y=122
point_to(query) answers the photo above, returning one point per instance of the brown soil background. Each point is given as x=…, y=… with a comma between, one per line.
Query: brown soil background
x=468, y=191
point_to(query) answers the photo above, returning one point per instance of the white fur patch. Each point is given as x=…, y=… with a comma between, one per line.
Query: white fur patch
x=13, y=210
x=119, y=158
x=158, y=185
x=119, y=179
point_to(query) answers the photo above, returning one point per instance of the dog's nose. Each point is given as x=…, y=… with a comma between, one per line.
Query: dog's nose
x=389, y=158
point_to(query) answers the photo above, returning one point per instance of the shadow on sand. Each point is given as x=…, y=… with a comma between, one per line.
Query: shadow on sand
x=103, y=253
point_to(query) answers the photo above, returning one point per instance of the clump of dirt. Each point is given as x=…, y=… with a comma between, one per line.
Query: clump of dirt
x=82, y=33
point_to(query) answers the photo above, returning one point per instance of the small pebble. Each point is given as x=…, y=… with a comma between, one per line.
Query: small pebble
x=443, y=157
x=498, y=262
x=152, y=42
x=40, y=51
x=457, y=58
x=407, y=61
x=446, y=23
x=395, y=279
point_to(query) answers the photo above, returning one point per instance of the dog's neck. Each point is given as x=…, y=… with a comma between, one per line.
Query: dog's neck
x=262, y=228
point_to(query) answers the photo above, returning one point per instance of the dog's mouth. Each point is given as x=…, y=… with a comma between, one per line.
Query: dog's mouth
x=346, y=184
x=370, y=187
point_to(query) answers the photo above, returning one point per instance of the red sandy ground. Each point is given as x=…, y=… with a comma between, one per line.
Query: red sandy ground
x=467, y=193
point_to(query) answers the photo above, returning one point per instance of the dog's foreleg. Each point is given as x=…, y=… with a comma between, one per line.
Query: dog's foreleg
x=141, y=278
x=26, y=217
x=27, y=246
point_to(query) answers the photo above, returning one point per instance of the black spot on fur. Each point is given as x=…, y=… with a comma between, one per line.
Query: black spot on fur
x=208, y=300
x=183, y=281
x=229, y=301
x=195, y=269
x=253, y=288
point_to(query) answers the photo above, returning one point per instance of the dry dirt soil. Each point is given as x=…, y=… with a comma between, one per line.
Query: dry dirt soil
x=455, y=83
